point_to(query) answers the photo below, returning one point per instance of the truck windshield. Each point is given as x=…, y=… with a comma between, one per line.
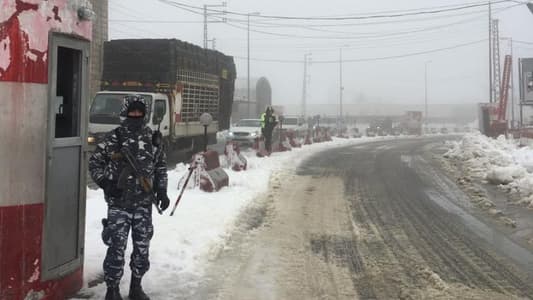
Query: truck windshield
x=105, y=108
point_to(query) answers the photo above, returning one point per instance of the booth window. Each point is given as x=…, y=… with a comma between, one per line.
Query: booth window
x=68, y=93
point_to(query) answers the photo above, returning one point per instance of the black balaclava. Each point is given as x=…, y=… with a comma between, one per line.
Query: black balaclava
x=136, y=123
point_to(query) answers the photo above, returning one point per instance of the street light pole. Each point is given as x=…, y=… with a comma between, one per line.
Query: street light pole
x=510, y=39
x=207, y=14
x=248, y=76
x=426, y=92
x=490, y=54
x=304, y=87
x=341, y=88
x=205, y=26
x=248, y=63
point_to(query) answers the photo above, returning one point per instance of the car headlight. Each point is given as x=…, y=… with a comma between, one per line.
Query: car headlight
x=230, y=134
x=253, y=134
x=91, y=140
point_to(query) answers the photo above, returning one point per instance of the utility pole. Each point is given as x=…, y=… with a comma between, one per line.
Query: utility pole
x=496, y=86
x=205, y=26
x=248, y=76
x=304, y=92
x=206, y=20
x=521, y=103
x=426, y=116
x=341, y=88
x=511, y=45
x=491, y=92
x=512, y=85
x=520, y=79
x=248, y=63
x=213, y=43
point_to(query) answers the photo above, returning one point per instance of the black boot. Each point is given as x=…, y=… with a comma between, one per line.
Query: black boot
x=136, y=290
x=113, y=293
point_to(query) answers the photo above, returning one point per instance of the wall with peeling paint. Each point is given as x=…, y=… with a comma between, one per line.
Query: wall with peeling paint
x=24, y=32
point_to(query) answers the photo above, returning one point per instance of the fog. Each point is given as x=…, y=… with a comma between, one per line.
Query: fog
x=453, y=45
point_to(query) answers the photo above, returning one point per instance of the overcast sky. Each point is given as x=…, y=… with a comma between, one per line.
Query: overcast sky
x=458, y=75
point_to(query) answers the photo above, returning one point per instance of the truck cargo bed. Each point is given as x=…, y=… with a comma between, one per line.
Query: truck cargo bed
x=162, y=62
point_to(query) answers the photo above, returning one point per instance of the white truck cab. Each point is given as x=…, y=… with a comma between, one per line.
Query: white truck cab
x=104, y=114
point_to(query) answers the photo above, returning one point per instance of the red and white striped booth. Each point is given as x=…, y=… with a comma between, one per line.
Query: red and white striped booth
x=44, y=70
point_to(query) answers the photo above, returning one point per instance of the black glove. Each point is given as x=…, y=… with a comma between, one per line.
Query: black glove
x=110, y=188
x=162, y=200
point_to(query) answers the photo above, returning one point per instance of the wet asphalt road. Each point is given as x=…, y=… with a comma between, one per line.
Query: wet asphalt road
x=421, y=215
x=378, y=220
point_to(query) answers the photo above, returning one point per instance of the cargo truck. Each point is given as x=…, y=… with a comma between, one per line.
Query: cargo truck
x=412, y=123
x=180, y=81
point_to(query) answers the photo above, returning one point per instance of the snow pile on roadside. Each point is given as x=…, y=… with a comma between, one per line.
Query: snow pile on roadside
x=182, y=244
x=499, y=161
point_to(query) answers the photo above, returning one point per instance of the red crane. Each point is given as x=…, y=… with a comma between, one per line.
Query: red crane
x=498, y=111
x=504, y=92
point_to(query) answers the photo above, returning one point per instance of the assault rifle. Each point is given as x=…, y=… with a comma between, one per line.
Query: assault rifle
x=132, y=168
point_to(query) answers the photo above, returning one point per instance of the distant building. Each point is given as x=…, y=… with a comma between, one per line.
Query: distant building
x=458, y=112
x=100, y=35
x=260, y=98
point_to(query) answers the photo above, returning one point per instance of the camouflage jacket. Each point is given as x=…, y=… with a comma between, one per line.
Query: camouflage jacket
x=150, y=161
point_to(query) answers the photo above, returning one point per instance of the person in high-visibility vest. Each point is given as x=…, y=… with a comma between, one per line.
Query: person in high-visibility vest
x=268, y=123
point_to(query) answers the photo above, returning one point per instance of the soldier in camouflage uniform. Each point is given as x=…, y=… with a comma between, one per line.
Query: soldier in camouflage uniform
x=129, y=206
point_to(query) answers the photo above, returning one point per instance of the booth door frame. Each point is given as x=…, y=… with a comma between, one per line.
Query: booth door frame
x=60, y=188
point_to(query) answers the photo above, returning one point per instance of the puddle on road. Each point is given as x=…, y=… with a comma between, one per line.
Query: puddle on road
x=498, y=240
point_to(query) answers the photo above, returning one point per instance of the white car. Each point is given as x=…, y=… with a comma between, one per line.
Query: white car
x=294, y=124
x=245, y=131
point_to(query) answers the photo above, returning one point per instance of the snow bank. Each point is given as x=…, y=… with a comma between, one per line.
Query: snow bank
x=499, y=161
x=182, y=244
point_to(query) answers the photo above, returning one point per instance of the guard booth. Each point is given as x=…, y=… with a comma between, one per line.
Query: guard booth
x=44, y=61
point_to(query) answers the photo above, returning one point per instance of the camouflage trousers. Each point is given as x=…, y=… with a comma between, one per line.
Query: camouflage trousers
x=115, y=236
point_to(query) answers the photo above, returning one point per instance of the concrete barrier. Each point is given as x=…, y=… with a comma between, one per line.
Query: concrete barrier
x=207, y=174
x=293, y=140
x=236, y=161
x=308, y=138
x=259, y=147
x=280, y=142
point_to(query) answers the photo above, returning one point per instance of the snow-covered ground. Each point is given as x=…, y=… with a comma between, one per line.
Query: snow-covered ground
x=183, y=243
x=498, y=161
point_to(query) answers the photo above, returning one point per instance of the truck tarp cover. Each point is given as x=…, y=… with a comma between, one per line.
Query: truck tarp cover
x=158, y=61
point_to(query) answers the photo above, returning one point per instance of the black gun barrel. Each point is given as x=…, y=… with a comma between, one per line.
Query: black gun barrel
x=146, y=185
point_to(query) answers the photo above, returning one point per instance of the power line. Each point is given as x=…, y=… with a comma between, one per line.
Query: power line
x=431, y=28
x=121, y=9
x=361, y=44
x=407, y=54
x=269, y=24
x=522, y=42
x=152, y=21
x=356, y=17
x=291, y=36
x=524, y=48
x=264, y=32
x=391, y=21
x=286, y=35
x=264, y=24
x=389, y=43
x=369, y=59
x=143, y=30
